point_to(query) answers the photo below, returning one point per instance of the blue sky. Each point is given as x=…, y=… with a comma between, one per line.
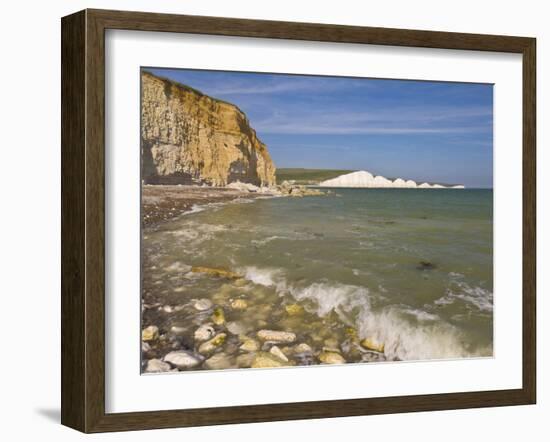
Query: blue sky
x=420, y=130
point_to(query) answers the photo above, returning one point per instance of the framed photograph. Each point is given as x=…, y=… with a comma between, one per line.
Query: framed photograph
x=266, y=220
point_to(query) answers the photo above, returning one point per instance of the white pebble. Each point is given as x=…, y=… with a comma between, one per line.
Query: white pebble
x=157, y=366
x=203, y=304
x=182, y=359
x=204, y=332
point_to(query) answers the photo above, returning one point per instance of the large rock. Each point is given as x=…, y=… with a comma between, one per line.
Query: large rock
x=150, y=333
x=373, y=344
x=157, y=366
x=188, y=137
x=299, y=191
x=276, y=336
x=267, y=360
x=249, y=344
x=220, y=361
x=202, y=304
x=330, y=357
x=243, y=187
x=182, y=359
x=237, y=328
x=204, y=333
x=212, y=344
x=294, y=309
x=245, y=360
x=218, y=317
x=277, y=352
x=239, y=304
x=303, y=348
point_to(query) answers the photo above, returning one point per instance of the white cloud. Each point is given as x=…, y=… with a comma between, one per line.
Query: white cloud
x=435, y=120
x=287, y=84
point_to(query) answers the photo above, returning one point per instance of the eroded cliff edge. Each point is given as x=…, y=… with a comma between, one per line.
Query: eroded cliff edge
x=190, y=138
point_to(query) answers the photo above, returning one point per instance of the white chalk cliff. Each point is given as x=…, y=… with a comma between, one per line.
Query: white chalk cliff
x=363, y=178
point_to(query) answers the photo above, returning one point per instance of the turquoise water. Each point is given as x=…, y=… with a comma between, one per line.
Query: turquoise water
x=408, y=268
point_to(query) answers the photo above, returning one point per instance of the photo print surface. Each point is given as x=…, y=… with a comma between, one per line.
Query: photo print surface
x=294, y=220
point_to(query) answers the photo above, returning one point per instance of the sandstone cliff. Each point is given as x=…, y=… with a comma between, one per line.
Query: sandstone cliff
x=190, y=138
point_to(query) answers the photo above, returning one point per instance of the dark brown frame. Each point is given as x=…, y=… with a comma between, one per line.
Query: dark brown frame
x=83, y=216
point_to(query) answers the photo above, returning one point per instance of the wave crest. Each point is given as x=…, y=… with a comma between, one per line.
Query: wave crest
x=407, y=334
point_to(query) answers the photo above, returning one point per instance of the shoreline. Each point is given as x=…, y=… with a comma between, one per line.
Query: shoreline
x=163, y=202
x=160, y=203
x=232, y=328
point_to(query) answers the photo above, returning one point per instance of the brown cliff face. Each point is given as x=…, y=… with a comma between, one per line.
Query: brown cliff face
x=190, y=138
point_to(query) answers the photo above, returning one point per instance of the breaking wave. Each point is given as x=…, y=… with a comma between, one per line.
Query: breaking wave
x=407, y=333
x=265, y=277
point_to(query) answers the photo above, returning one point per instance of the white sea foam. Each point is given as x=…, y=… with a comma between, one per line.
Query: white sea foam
x=261, y=242
x=243, y=200
x=341, y=298
x=191, y=236
x=265, y=277
x=477, y=297
x=427, y=337
x=178, y=267
x=186, y=234
x=192, y=230
x=402, y=339
x=195, y=208
x=474, y=297
x=408, y=341
x=421, y=315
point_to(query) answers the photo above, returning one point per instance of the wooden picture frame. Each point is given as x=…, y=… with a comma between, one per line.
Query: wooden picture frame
x=83, y=220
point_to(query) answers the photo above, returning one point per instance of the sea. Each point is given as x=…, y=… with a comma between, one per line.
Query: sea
x=409, y=268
